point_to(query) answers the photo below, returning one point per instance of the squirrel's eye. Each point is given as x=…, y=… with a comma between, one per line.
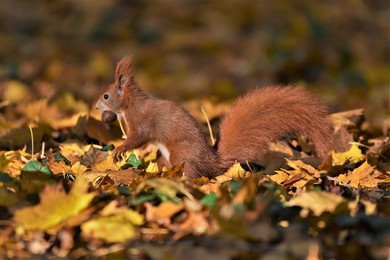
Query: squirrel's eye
x=106, y=96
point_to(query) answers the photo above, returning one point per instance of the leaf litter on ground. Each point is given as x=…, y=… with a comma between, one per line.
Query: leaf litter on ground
x=71, y=186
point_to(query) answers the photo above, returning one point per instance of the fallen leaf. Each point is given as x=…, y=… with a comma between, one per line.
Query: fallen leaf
x=15, y=91
x=111, y=229
x=299, y=165
x=8, y=198
x=346, y=118
x=362, y=177
x=162, y=213
x=67, y=103
x=165, y=186
x=234, y=172
x=279, y=177
x=115, y=224
x=316, y=201
x=353, y=155
x=55, y=206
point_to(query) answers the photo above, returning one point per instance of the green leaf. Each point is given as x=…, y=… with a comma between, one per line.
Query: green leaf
x=142, y=199
x=239, y=207
x=59, y=157
x=235, y=186
x=45, y=169
x=164, y=197
x=209, y=200
x=134, y=161
x=32, y=166
x=124, y=190
x=108, y=147
x=35, y=166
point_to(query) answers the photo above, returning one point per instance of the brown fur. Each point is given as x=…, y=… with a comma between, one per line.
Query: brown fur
x=255, y=120
x=268, y=113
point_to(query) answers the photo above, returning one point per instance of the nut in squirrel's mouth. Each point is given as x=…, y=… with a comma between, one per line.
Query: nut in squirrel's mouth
x=109, y=116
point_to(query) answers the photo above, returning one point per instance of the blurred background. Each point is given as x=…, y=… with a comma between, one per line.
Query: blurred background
x=200, y=49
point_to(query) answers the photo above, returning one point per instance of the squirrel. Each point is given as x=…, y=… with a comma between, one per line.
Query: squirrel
x=255, y=120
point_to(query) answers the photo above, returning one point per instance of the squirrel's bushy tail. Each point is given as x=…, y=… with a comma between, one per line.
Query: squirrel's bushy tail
x=267, y=114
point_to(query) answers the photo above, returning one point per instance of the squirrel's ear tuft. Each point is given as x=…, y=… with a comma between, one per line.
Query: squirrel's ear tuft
x=125, y=67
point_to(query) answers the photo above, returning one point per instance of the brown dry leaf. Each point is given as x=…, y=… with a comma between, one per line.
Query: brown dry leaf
x=99, y=161
x=295, y=175
x=299, y=165
x=59, y=167
x=4, y=161
x=316, y=201
x=211, y=187
x=67, y=122
x=380, y=145
x=100, y=131
x=301, y=175
x=347, y=118
x=247, y=191
x=13, y=161
x=162, y=213
x=118, y=177
x=39, y=111
x=194, y=221
x=78, y=168
x=66, y=102
x=70, y=150
x=279, y=177
x=104, y=163
x=344, y=139
x=212, y=110
x=20, y=137
x=364, y=176
x=55, y=206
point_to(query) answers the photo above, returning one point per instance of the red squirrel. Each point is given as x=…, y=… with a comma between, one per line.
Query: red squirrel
x=256, y=119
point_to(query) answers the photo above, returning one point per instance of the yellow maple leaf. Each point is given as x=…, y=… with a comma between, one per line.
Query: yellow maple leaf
x=299, y=165
x=316, y=201
x=362, y=177
x=111, y=229
x=353, y=155
x=112, y=218
x=55, y=207
x=234, y=172
x=279, y=177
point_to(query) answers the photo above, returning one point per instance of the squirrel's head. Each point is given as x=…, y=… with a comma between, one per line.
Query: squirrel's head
x=115, y=97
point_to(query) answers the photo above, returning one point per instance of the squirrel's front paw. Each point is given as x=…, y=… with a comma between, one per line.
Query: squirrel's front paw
x=118, y=153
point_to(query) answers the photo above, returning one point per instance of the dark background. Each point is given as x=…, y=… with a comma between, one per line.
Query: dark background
x=193, y=49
